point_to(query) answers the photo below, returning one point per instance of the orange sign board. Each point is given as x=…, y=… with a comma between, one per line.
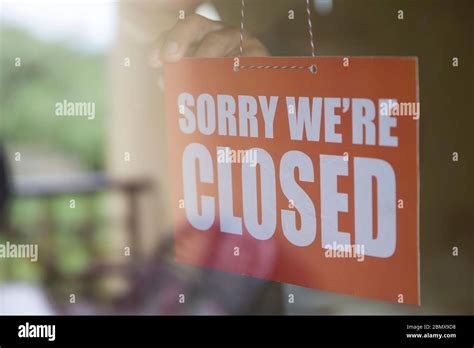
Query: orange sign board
x=298, y=177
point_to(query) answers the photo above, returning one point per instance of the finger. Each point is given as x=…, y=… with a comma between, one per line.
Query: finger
x=161, y=80
x=154, y=57
x=255, y=48
x=226, y=43
x=184, y=34
x=219, y=43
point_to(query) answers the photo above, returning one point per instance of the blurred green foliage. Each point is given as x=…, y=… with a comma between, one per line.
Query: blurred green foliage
x=69, y=238
x=50, y=73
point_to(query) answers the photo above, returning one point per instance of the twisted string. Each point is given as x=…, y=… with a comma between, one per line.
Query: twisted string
x=311, y=67
x=242, y=19
x=310, y=28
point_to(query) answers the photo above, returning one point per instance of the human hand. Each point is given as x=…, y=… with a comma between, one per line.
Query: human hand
x=197, y=36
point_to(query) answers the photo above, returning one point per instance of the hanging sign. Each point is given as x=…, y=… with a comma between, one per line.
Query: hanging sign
x=308, y=178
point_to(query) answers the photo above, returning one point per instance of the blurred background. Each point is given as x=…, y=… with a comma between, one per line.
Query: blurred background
x=91, y=192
